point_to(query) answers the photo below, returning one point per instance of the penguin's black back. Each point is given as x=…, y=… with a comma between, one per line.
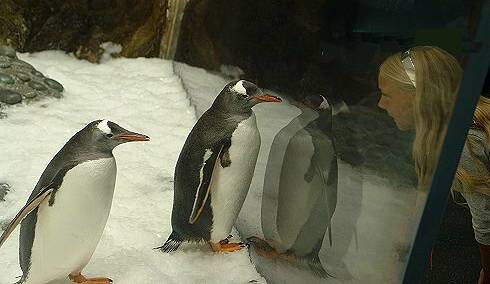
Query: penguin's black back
x=74, y=152
x=211, y=130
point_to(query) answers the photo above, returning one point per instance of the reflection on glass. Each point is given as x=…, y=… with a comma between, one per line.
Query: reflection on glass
x=300, y=188
x=313, y=196
x=418, y=90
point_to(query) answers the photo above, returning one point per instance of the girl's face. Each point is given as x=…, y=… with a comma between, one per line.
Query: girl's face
x=397, y=103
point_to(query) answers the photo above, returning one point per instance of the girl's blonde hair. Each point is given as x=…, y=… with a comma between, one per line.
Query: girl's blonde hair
x=437, y=77
x=481, y=120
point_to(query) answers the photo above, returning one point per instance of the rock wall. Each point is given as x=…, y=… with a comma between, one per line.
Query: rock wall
x=80, y=26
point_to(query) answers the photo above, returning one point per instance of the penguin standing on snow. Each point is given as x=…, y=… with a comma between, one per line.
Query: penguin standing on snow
x=67, y=211
x=215, y=168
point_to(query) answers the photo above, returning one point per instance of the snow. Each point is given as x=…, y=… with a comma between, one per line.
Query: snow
x=142, y=95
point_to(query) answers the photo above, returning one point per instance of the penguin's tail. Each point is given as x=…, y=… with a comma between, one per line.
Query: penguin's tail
x=22, y=279
x=316, y=266
x=173, y=243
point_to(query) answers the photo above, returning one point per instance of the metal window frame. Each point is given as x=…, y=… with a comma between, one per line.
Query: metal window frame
x=470, y=89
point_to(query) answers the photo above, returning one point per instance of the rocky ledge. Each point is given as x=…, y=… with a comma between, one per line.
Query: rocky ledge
x=21, y=82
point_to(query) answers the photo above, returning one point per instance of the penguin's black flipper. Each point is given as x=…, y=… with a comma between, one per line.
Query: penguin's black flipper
x=38, y=195
x=224, y=155
x=202, y=192
x=31, y=205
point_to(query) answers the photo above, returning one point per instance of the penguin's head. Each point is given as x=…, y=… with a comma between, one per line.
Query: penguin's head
x=105, y=135
x=240, y=96
x=316, y=102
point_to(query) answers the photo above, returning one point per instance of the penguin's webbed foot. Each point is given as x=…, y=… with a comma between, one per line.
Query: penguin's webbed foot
x=265, y=249
x=79, y=278
x=226, y=246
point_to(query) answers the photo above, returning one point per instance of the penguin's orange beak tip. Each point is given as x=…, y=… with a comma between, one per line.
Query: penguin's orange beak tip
x=269, y=98
x=129, y=137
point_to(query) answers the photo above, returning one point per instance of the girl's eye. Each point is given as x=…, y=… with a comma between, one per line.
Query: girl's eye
x=109, y=135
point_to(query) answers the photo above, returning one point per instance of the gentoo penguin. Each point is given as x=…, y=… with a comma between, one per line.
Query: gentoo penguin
x=305, y=188
x=215, y=168
x=66, y=213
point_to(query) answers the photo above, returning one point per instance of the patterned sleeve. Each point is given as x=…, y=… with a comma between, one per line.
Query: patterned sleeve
x=477, y=164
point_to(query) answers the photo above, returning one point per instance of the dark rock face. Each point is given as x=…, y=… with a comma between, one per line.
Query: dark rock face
x=81, y=26
x=13, y=27
x=289, y=46
x=62, y=30
x=328, y=47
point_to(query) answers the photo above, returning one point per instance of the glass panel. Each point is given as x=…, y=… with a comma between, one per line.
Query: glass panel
x=334, y=195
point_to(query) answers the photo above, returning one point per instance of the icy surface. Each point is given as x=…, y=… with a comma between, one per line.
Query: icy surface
x=143, y=95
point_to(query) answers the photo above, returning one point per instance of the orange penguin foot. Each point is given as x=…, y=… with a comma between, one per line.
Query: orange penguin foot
x=79, y=278
x=265, y=249
x=226, y=246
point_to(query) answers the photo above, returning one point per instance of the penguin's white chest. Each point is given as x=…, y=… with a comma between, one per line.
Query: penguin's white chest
x=229, y=186
x=68, y=232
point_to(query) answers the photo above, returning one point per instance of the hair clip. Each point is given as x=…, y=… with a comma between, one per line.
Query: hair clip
x=408, y=66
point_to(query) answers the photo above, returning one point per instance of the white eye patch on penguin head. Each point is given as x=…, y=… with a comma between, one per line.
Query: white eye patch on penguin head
x=104, y=128
x=324, y=104
x=238, y=88
x=243, y=91
x=316, y=102
x=107, y=135
x=240, y=96
x=251, y=93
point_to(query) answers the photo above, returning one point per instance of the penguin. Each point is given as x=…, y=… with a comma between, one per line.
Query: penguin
x=305, y=188
x=65, y=215
x=215, y=168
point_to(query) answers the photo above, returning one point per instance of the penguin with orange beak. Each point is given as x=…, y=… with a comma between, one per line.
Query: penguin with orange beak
x=215, y=168
x=64, y=217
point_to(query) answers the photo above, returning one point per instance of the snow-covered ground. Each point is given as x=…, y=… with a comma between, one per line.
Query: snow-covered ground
x=370, y=228
x=142, y=95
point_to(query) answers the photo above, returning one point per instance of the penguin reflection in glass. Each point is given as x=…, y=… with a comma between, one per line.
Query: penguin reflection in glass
x=67, y=211
x=215, y=168
x=305, y=187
